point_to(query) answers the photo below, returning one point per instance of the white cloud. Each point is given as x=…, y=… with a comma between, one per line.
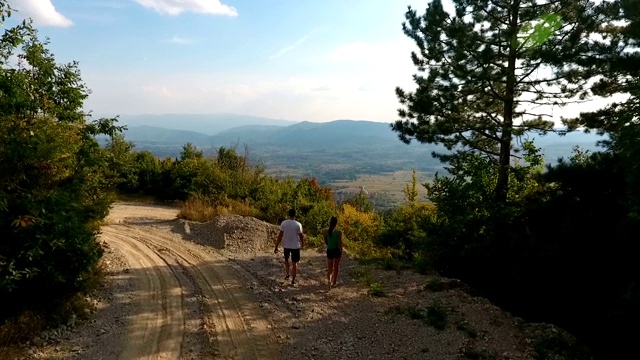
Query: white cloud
x=179, y=40
x=312, y=97
x=41, y=11
x=177, y=7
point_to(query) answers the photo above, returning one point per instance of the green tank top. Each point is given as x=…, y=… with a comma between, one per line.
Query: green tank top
x=333, y=240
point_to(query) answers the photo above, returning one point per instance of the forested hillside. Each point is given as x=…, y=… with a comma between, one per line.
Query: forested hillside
x=548, y=241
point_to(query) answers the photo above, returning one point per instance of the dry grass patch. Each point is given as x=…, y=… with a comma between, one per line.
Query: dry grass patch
x=202, y=210
x=21, y=328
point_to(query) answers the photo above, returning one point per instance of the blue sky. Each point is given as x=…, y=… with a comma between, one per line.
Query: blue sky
x=316, y=60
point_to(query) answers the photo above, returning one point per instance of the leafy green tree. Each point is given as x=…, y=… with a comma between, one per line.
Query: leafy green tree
x=604, y=188
x=612, y=61
x=53, y=186
x=120, y=158
x=411, y=189
x=486, y=71
x=361, y=202
x=147, y=168
x=190, y=151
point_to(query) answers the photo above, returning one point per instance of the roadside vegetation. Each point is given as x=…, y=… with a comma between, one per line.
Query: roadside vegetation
x=55, y=187
x=552, y=244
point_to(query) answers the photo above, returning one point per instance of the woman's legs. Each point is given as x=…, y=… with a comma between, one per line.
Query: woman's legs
x=329, y=271
x=336, y=269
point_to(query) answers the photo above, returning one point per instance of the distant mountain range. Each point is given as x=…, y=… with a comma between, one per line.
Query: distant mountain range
x=305, y=134
x=334, y=150
x=208, y=124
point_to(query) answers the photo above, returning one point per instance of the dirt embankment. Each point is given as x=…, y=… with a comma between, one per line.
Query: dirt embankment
x=179, y=290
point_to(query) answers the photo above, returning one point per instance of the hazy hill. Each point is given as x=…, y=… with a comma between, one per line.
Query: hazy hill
x=337, y=150
x=307, y=135
x=162, y=136
x=207, y=124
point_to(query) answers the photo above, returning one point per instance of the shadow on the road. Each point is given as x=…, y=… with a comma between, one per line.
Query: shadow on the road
x=308, y=321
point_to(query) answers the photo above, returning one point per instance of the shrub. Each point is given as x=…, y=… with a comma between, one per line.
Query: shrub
x=377, y=289
x=55, y=184
x=405, y=228
x=203, y=210
x=437, y=316
x=316, y=219
x=315, y=241
x=21, y=328
x=363, y=274
x=359, y=230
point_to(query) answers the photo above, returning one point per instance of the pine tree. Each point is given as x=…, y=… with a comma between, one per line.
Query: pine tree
x=613, y=59
x=489, y=74
x=411, y=189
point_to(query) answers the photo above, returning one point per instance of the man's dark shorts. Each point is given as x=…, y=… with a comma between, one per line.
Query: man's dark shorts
x=294, y=253
x=334, y=253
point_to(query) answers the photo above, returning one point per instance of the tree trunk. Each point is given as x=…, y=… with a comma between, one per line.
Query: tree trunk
x=502, y=186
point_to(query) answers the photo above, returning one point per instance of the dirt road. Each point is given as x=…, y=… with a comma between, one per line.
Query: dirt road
x=163, y=269
x=173, y=293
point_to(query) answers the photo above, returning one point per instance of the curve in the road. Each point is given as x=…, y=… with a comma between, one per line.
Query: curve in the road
x=241, y=329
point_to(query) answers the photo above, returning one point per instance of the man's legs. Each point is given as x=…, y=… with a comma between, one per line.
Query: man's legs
x=287, y=253
x=295, y=258
x=294, y=271
x=286, y=267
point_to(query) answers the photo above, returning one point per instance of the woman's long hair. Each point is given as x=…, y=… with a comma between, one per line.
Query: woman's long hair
x=332, y=224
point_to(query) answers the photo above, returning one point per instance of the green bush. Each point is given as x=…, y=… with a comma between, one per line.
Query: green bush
x=377, y=289
x=55, y=185
x=437, y=316
x=404, y=229
x=316, y=220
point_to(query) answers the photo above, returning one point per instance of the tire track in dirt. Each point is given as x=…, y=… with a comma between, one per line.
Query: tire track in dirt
x=241, y=329
x=157, y=327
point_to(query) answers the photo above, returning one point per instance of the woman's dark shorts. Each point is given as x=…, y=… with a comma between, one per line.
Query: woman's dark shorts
x=334, y=253
x=294, y=253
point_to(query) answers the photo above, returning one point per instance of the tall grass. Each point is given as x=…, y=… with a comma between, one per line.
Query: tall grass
x=203, y=210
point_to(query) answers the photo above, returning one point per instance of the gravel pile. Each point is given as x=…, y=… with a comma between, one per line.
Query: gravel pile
x=233, y=233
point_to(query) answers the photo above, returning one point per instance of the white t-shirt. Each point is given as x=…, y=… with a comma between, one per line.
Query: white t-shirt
x=290, y=238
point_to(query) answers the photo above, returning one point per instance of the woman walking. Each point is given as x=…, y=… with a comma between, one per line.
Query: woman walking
x=333, y=241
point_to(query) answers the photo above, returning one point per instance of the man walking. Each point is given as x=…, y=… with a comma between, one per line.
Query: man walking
x=292, y=240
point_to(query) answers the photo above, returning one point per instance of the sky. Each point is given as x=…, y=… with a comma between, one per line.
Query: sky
x=315, y=60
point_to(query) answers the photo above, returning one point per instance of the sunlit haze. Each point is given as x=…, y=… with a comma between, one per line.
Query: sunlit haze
x=315, y=60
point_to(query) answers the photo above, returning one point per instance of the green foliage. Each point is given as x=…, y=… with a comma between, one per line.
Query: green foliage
x=377, y=289
x=556, y=218
x=317, y=218
x=121, y=162
x=475, y=78
x=359, y=231
x=363, y=274
x=55, y=183
x=404, y=228
x=437, y=316
x=434, y=315
x=226, y=184
x=315, y=242
x=411, y=190
x=360, y=202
